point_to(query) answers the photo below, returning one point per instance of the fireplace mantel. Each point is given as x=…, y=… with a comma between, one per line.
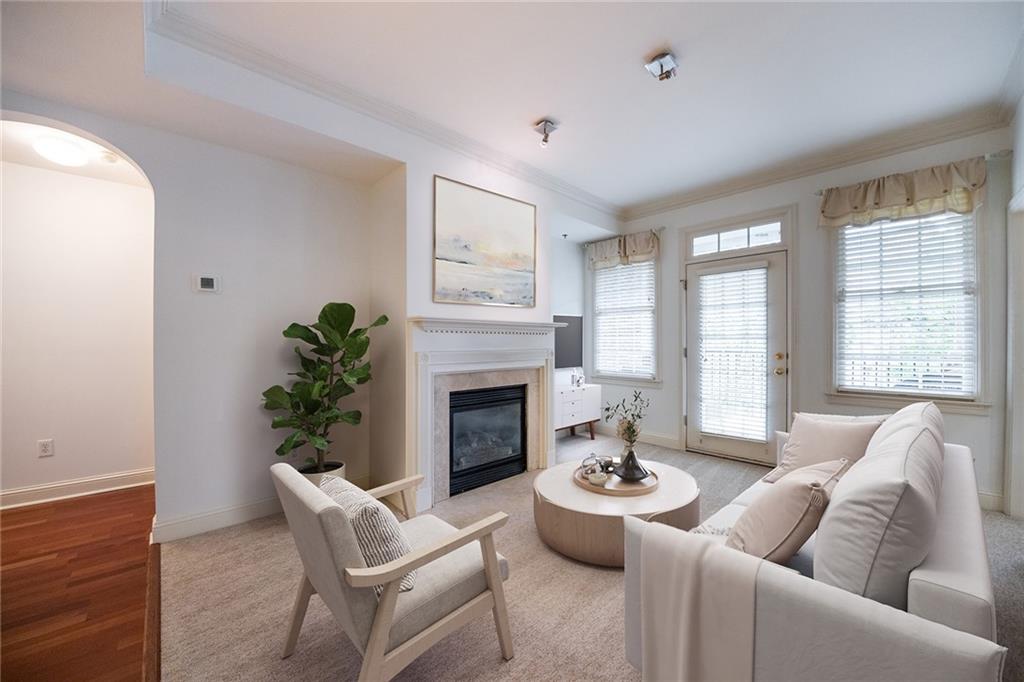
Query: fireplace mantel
x=445, y=346
x=445, y=325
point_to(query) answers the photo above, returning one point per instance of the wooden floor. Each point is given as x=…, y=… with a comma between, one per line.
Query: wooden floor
x=73, y=587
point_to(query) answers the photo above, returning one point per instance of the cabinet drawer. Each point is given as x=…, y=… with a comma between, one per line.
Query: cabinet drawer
x=571, y=405
x=570, y=393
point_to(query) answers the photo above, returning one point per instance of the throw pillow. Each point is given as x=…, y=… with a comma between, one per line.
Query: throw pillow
x=814, y=440
x=883, y=514
x=377, y=531
x=781, y=519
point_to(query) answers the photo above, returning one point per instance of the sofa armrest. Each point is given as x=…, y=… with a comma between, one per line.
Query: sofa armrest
x=807, y=630
x=781, y=438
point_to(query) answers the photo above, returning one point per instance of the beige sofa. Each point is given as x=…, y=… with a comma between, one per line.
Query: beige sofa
x=808, y=630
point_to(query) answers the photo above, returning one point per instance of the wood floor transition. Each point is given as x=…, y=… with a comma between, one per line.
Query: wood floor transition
x=73, y=576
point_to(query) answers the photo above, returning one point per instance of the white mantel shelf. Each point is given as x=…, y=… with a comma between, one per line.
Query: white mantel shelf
x=444, y=325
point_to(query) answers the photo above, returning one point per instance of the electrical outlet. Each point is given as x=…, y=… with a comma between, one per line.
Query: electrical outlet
x=45, y=447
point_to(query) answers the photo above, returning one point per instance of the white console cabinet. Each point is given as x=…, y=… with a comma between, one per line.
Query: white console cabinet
x=577, y=406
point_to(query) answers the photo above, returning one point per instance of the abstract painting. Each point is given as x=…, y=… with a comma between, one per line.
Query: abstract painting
x=484, y=247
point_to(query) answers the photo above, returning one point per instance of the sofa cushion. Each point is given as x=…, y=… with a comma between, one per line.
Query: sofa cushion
x=777, y=524
x=882, y=515
x=814, y=440
x=378, y=534
x=442, y=585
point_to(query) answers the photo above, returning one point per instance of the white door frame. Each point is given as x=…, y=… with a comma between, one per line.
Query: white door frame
x=1013, y=477
x=790, y=244
x=777, y=386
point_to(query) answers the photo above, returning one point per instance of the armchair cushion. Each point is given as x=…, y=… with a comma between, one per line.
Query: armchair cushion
x=442, y=585
x=378, y=533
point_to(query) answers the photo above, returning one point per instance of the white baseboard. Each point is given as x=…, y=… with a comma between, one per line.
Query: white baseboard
x=186, y=526
x=660, y=439
x=990, y=501
x=48, y=492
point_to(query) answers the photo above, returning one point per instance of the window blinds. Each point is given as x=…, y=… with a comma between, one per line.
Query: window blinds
x=907, y=307
x=733, y=347
x=624, y=328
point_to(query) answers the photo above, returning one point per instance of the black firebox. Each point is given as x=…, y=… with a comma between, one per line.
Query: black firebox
x=488, y=436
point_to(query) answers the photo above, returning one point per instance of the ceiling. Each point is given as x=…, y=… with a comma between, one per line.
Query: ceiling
x=759, y=84
x=90, y=55
x=16, y=146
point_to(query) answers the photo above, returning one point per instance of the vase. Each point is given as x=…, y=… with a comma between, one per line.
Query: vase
x=630, y=469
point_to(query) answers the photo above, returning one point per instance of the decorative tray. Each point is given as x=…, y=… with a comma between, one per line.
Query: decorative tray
x=615, y=486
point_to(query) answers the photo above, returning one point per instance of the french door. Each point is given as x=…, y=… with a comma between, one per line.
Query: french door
x=736, y=355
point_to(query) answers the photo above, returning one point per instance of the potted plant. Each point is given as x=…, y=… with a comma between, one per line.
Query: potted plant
x=629, y=414
x=329, y=370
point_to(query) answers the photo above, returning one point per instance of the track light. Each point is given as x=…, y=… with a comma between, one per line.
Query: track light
x=662, y=66
x=544, y=128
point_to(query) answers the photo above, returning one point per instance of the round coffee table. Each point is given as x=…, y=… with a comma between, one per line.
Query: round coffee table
x=587, y=525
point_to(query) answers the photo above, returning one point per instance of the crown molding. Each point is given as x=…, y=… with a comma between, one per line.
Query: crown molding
x=907, y=139
x=163, y=19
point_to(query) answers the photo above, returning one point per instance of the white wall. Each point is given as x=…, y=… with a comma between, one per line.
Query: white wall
x=77, y=326
x=1018, y=147
x=285, y=240
x=567, y=277
x=811, y=299
x=387, y=350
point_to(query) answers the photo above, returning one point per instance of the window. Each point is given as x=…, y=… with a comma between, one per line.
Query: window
x=906, y=307
x=731, y=240
x=624, y=322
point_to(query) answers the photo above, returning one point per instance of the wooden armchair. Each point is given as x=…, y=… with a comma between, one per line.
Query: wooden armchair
x=455, y=584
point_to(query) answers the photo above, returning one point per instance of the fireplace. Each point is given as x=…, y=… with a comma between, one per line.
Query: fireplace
x=487, y=430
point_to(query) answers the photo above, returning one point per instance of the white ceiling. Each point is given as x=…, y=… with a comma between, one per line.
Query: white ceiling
x=90, y=55
x=759, y=84
x=16, y=146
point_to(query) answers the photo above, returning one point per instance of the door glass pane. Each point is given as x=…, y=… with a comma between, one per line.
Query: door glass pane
x=766, y=234
x=733, y=353
x=733, y=239
x=706, y=244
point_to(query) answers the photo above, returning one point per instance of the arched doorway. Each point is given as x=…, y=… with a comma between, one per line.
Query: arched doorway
x=77, y=358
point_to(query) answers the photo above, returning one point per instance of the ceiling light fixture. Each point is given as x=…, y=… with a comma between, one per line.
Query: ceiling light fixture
x=545, y=127
x=662, y=66
x=61, y=150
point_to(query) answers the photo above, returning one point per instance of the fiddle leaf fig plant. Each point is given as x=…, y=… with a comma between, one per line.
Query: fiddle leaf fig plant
x=330, y=368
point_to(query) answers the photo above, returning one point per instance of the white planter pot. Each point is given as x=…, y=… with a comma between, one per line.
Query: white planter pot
x=315, y=478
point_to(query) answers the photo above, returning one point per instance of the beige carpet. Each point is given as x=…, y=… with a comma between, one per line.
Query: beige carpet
x=227, y=595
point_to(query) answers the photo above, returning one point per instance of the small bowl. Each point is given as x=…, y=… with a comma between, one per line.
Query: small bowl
x=598, y=478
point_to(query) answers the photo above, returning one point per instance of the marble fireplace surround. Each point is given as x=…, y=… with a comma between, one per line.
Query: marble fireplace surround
x=444, y=384
x=452, y=355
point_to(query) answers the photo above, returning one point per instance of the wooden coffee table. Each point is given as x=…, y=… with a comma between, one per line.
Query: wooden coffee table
x=587, y=525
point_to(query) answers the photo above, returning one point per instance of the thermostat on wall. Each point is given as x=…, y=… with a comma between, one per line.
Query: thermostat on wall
x=208, y=283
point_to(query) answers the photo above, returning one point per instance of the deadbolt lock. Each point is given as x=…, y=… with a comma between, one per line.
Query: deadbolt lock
x=780, y=356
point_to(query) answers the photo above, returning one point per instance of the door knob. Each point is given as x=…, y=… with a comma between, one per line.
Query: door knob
x=779, y=371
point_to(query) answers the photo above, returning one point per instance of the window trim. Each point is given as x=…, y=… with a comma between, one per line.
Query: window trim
x=590, y=350
x=979, y=403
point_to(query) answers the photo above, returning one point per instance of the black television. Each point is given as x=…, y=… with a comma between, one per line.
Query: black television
x=569, y=341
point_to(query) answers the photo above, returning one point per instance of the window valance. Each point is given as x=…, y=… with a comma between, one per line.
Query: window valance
x=954, y=187
x=639, y=247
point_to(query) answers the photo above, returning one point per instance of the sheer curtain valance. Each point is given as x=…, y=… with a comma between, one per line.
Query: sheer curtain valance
x=632, y=248
x=954, y=187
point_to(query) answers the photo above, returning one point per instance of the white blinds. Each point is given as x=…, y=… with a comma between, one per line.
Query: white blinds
x=624, y=326
x=907, y=308
x=733, y=346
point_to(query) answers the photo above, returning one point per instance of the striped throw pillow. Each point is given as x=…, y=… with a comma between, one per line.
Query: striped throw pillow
x=377, y=531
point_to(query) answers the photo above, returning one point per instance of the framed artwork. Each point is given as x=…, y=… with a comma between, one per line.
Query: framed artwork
x=485, y=247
